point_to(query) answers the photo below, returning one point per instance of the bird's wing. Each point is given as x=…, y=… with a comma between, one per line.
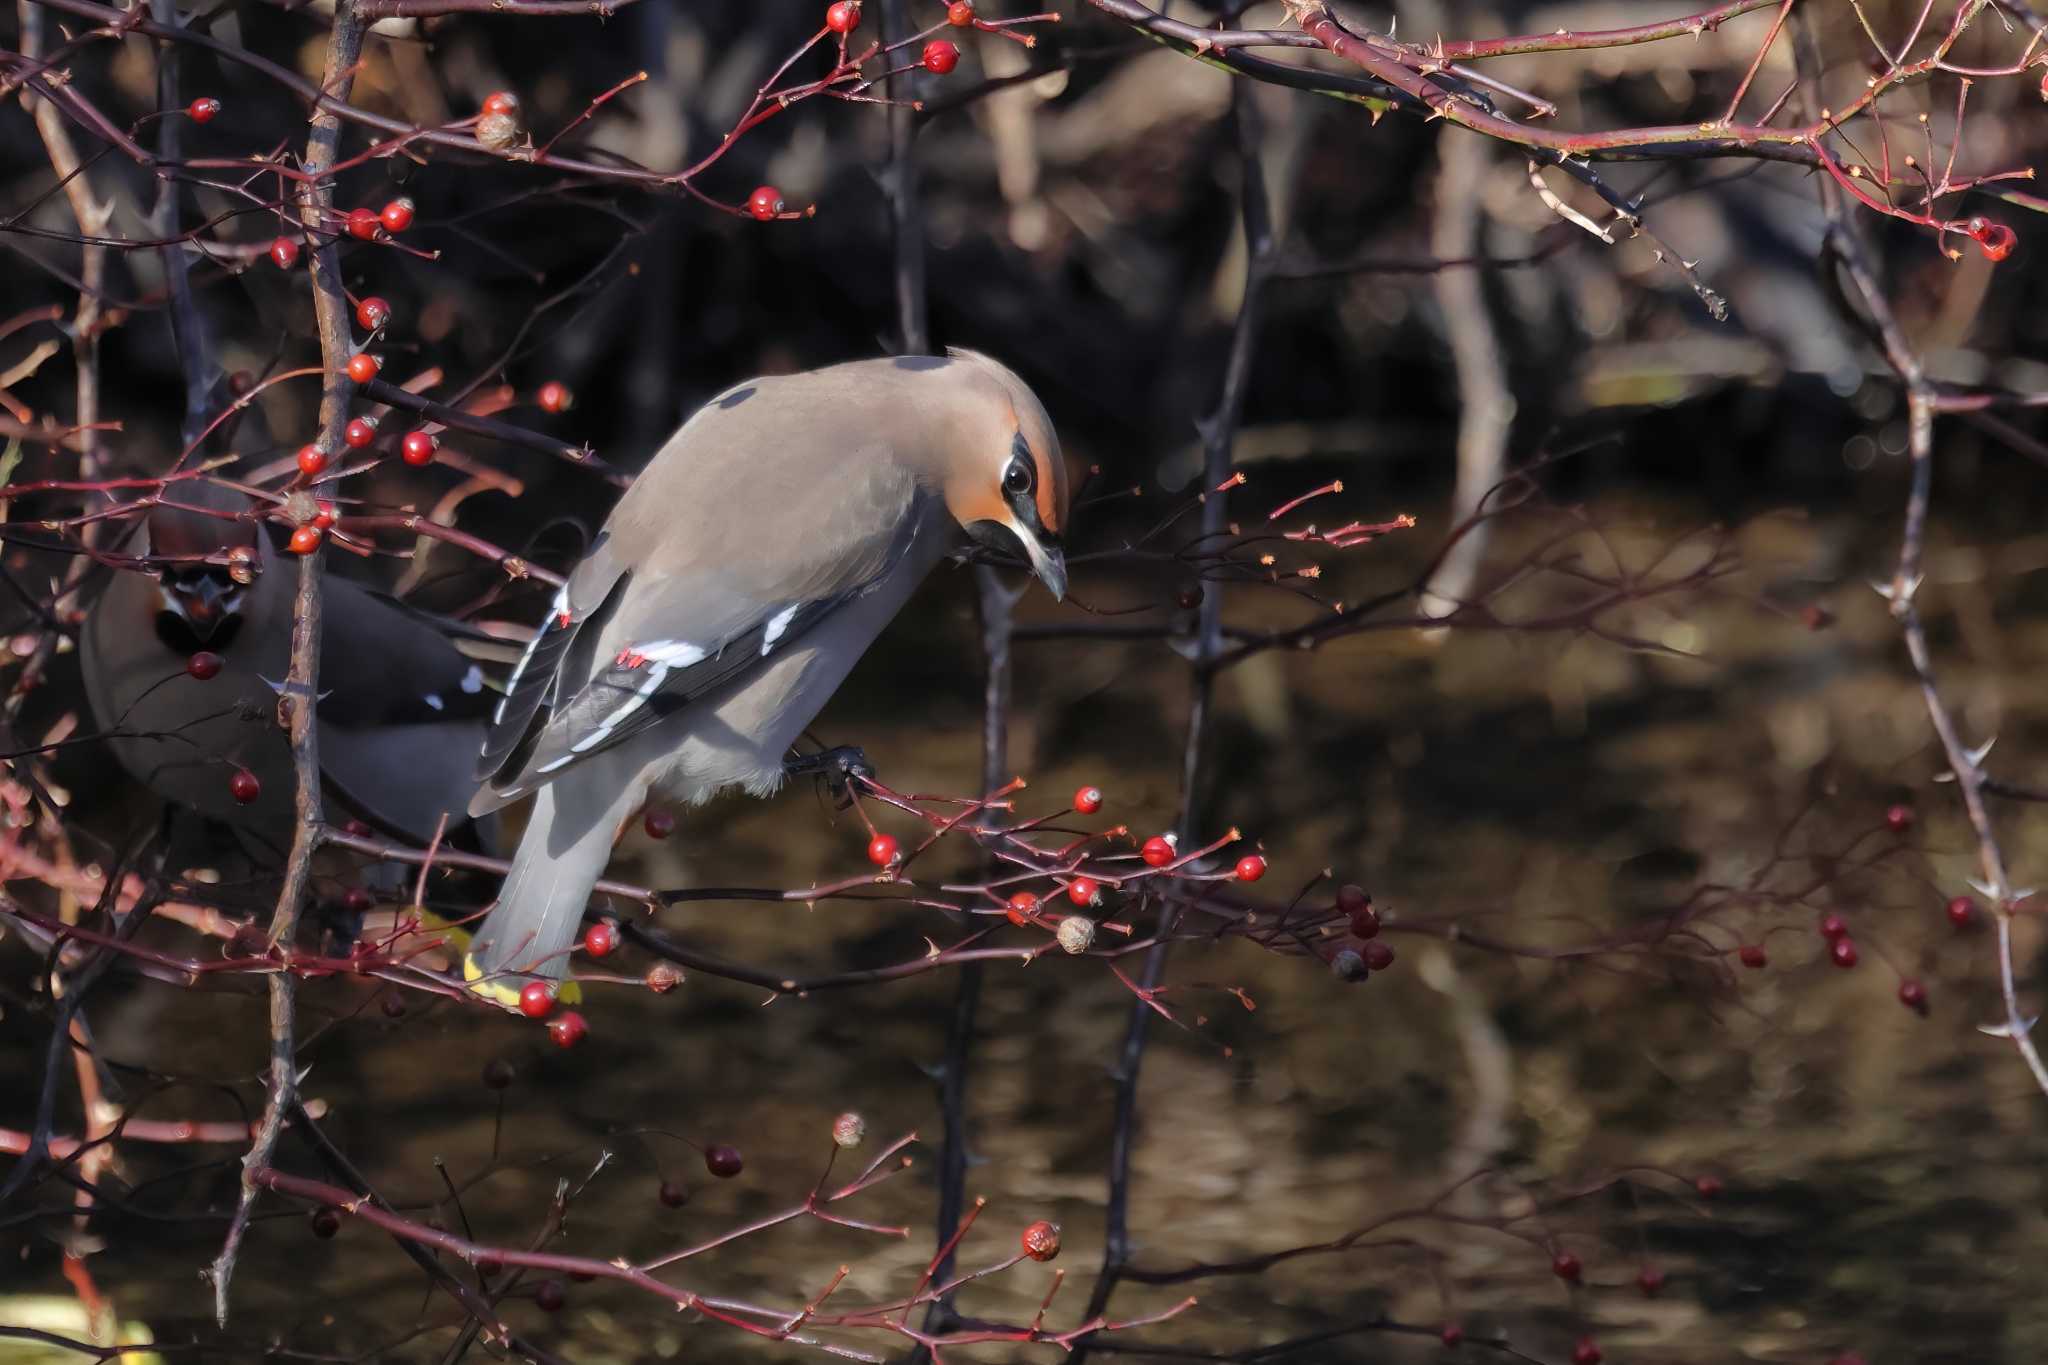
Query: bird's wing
x=383, y=664
x=684, y=639
x=773, y=506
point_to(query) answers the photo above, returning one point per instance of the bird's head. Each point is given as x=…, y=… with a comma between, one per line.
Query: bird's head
x=193, y=530
x=1004, y=479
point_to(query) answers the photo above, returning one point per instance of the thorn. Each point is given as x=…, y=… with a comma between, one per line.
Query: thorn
x=1984, y=889
x=2006, y=1030
x=1977, y=756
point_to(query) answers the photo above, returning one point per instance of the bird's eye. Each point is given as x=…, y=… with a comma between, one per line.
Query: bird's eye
x=1018, y=478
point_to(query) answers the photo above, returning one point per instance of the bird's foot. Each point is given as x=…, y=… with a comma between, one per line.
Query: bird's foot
x=837, y=768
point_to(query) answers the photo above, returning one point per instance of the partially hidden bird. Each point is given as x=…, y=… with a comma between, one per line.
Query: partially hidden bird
x=736, y=583
x=401, y=709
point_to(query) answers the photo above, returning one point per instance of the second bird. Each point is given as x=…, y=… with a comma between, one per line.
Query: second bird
x=738, y=581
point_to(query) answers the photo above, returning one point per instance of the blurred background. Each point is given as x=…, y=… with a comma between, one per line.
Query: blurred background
x=1546, y=788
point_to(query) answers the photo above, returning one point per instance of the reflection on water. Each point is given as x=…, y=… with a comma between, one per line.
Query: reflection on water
x=1881, y=1172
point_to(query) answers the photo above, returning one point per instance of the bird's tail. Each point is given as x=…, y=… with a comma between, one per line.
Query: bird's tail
x=532, y=930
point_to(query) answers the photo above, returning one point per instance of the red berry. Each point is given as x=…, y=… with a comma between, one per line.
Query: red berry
x=418, y=447
x=202, y=110
x=362, y=223
x=723, y=1161
x=658, y=823
x=1364, y=923
x=601, y=939
x=1843, y=952
x=324, y=518
x=1833, y=926
x=1088, y=800
x=555, y=397
x=1913, y=995
x=1083, y=891
x=284, y=252
x=498, y=1074
x=765, y=203
x=549, y=1296
x=1847, y=1358
x=536, y=999
x=1452, y=1335
x=1023, y=908
x=1251, y=867
x=1041, y=1241
x=361, y=431
x=1378, y=956
x=1651, y=1281
x=372, y=313
x=1752, y=955
x=397, y=215
x=673, y=1194
x=205, y=665
x=357, y=900
x=843, y=17
x=1997, y=241
x=1587, y=1352
x=940, y=56
x=305, y=540
x=1976, y=227
x=1707, y=1187
x=501, y=102
x=244, y=787
x=363, y=367
x=1899, y=819
x=566, y=1029
x=324, y=1222
x=1961, y=910
x=312, y=461
x=1158, y=851
x=882, y=850
x=960, y=13
x=1566, y=1267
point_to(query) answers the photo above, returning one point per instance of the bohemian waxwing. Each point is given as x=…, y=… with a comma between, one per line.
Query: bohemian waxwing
x=401, y=710
x=738, y=580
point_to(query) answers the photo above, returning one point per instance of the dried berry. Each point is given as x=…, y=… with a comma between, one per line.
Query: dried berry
x=1041, y=1241
x=1349, y=966
x=960, y=13
x=1076, y=933
x=849, y=1129
x=662, y=978
x=497, y=131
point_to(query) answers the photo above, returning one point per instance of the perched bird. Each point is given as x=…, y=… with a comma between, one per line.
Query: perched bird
x=401, y=710
x=736, y=583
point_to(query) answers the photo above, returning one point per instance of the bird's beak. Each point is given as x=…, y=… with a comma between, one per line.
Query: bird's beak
x=1049, y=564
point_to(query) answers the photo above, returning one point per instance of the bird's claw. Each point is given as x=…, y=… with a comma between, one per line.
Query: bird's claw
x=837, y=767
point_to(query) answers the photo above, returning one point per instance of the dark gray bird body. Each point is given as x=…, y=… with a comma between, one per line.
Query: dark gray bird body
x=401, y=711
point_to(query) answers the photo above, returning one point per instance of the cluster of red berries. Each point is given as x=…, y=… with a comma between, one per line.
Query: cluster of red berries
x=365, y=223
x=537, y=1001
x=1841, y=947
x=1995, y=240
